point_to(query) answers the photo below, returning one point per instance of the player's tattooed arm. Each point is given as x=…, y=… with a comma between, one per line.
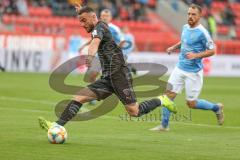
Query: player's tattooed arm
x=174, y=47
x=207, y=53
x=92, y=50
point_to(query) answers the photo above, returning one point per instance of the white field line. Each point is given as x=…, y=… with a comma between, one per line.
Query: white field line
x=85, y=109
x=26, y=100
x=206, y=125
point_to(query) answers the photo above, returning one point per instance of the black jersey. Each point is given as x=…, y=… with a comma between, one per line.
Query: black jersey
x=110, y=54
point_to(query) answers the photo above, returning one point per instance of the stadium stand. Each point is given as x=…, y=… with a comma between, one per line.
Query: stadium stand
x=151, y=32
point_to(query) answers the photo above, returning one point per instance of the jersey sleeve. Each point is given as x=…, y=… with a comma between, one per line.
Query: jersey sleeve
x=207, y=41
x=116, y=33
x=98, y=32
x=121, y=36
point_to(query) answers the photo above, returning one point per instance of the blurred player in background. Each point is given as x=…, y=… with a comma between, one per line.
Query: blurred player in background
x=106, y=16
x=128, y=46
x=116, y=77
x=195, y=44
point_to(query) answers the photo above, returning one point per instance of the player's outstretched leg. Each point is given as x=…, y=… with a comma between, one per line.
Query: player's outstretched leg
x=149, y=105
x=206, y=105
x=168, y=103
x=72, y=108
x=166, y=113
x=70, y=111
x=164, y=126
x=220, y=114
x=45, y=124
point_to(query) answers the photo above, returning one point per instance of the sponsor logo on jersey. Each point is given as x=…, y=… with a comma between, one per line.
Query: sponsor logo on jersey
x=94, y=33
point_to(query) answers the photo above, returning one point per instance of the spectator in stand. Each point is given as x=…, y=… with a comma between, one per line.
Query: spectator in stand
x=212, y=25
x=198, y=2
x=120, y=9
x=139, y=12
x=175, y=5
x=109, y=4
x=41, y=3
x=126, y=9
x=2, y=9
x=22, y=7
x=208, y=3
x=143, y=2
x=10, y=7
x=228, y=16
x=14, y=7
x=232, y=32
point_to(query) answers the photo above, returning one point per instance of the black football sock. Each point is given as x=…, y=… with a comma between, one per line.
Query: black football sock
x=147, y=106
x=2, y=69
x=70, y=111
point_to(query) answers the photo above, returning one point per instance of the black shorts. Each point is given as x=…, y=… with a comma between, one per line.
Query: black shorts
x=119, y=83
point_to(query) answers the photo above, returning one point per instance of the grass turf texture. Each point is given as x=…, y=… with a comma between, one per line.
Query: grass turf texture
x=24, y=97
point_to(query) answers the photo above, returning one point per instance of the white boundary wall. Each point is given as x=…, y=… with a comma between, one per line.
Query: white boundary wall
x=33, y=54
x=39, y=61
x=218, y=65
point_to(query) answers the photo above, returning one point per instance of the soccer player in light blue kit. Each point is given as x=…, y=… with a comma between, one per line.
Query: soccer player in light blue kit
x=128, y=46
x=195, y=44
x=106, y=16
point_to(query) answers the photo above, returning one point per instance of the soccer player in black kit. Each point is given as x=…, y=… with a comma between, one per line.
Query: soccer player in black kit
x=116, y=77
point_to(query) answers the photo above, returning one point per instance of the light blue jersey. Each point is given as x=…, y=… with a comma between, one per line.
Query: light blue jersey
x=193, y=40
x=129, y=44
x=74, y=44
x=116, y=33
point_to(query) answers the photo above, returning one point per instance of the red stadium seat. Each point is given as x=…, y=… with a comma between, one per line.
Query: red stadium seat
x=218, y=6
x=155, y=35
x=152, y=3
x=23, y=29
x=228, y=46
x=39, y=11
x=6, y=19
x=223, y=30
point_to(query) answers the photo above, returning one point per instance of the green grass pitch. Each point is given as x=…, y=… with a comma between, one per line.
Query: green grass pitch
x=24, y=97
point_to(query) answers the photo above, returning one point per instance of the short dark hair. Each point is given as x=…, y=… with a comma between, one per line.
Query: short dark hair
x=85, y=9
x=195, y=6
x=106, y=10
